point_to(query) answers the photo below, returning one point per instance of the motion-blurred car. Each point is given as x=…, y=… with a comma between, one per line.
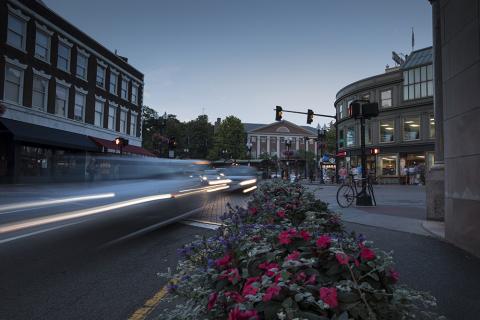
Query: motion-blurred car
x=212, y=177
x=243, y=178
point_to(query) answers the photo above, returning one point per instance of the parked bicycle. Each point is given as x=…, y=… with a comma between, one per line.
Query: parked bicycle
x=348, y=191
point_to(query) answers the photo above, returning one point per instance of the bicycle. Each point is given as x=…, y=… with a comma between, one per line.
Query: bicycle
x=348, y=191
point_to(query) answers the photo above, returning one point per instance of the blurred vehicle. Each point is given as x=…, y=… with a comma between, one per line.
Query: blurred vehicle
x=242, y=178
x=213, y=177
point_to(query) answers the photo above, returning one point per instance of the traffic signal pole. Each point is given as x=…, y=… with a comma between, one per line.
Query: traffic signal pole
x=363, y=199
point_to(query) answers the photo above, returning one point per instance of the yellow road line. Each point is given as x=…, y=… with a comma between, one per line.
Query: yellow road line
x=149, y=306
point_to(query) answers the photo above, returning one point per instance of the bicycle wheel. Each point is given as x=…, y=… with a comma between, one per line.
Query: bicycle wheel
x=345, y=196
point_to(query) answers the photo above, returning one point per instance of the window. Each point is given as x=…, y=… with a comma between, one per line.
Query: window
x=135, y=94
x=345, y=107
x=113, y=82
x=63, y=62
x=82, y=66
x=388, y=165
x=61, y=100
x=99, y=113
x=366, y=96
x=133, y=124
x=124, y=89
x=350, y=136
x=386, y=99
x=100, y=76
x=411, y=128
x=431, y=127
x=340, y=138
x=112, y=112
x=418, y=83
x=123, y=121
x=16, y=32
x=42, y=45
x=40, y=93
x=79, y=111
x=13, y=84
x=340, y=111
x=387, y=131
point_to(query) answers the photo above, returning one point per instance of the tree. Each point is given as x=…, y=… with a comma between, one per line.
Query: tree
x=230, y=137
x=331, y=138
x=199, y=137
x=150, y=129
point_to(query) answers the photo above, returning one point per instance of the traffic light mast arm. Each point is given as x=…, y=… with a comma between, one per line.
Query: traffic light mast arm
x=316, y=114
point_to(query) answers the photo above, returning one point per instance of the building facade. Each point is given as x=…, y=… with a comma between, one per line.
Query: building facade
x=404, y=131
x=65, y=95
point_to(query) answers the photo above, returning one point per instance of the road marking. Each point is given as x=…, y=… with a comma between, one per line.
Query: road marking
x=150, y=305
x=38, y=232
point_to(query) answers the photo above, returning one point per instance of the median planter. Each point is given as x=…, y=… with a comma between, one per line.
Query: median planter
x=286, y=256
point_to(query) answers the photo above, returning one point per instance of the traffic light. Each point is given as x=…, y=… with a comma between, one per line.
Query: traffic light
x=278, y=113
x=172, y=143
x=370, y=110
x=354, y=110
x=374, y=151
x=309, y=116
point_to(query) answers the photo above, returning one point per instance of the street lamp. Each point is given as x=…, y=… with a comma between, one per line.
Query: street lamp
x=306, y=162
x=288, y=144
x=321, y=133
x=224, y=154
x=249, y=148
x=185, y=151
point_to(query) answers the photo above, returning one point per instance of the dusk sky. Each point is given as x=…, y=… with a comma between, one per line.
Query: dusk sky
x=245, y=57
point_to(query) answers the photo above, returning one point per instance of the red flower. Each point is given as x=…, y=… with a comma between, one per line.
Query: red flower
x=342, y=258
x=268, y=267
x=324, y=242
x=395, y=275
x=235, y=296
x=301, y=277
x=237, y=314
x=251, y=280
x=281, y=213
x=277, y=278
x=367, y=254
x=271, y=292
x=294, y=255
x=253, y=210
x=292, y=232
x=223, y=261
x=311, y=280
x=249, y=289
x=233, y=275
x=211, y=300
x=329, y=296
x=284, y=237
x=305, y=235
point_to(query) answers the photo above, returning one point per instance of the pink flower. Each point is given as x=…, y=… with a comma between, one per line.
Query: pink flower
x=234, y=275
x=271, y=292
x=252, y=280
x=212, y=299
x=284, y=237
x=329, y=296
x=367, y=254
x=223, y=261
x=268, y=268
x=277, y=278
x=342, y=258
x=395, y=275
x=294, y=255
x=357, y=263
x=235, y=296
x=281, y=213
x=305, y=235
x=301, y=277
x=292, y=232
x=237, y=314
x=324, y=242
x=249, y=290
x=311, y=280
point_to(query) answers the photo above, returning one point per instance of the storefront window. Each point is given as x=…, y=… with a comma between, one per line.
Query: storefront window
x=35, y=161
x=431, y=127
x=411, y=128
x=387, y=131
x=388, y=165
x=350, y=136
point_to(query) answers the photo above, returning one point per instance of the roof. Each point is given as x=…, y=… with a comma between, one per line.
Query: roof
x=419, y=58
x=27, y=132
x=249, y=127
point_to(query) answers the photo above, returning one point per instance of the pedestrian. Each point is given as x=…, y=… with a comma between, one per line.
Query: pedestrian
x=342, y=173
x=411, y=174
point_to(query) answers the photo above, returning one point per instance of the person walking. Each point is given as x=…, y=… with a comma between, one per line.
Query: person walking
x=342, y=173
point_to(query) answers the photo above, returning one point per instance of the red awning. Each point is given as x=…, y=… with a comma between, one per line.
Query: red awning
x=110, y=144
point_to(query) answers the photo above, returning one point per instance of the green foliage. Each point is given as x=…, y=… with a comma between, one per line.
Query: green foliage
x=230, y=137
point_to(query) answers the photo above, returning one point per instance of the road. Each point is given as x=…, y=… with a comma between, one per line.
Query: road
x=92, y=251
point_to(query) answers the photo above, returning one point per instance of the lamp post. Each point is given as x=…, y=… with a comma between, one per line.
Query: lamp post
x=249, y=148
x=306, y=162
x=224, y=154
x=288, y=144
x=185, y=151
x=321, y=133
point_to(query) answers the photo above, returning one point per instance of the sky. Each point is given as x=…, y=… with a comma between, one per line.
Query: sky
x=244, y=57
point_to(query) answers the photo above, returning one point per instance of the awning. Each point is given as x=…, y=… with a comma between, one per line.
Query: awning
x=110, y=144
x=27, y=132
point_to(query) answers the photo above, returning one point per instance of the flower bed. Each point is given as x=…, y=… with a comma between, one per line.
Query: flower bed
x=287, y=256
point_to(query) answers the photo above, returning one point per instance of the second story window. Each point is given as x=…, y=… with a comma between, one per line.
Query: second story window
x=16, y=34
x=61, y=100
x=40, y=93
x=124, y=92
x=418, y=83
x=82, y=66
x=350, y=136
x=113, y=82
x=100, y=76
x=42, y=45
x=387, y=131
x=13, y=90
x=411, y=128
x=123, y=121
x=135, y=94
x=431, y=126
x=133, y=124
x=63, y=61
x=340, y=111
x=80, y=99
x=386, y=99
x=99, y=113
x=112, y=113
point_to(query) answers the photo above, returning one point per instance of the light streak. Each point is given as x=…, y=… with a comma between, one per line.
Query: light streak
x=218, y=189
x=249, y=189
x=245, y=182
x=31, y=204
x=215, y=182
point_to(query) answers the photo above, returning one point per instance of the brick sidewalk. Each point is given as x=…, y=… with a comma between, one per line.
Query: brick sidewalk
x=216, y=207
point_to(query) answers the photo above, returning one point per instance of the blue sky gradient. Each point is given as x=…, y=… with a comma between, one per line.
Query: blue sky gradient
x=245, y=57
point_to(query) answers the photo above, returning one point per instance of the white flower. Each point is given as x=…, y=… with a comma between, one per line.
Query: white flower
x=281, y=315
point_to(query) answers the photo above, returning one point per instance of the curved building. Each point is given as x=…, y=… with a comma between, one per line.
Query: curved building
x=404, y=131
